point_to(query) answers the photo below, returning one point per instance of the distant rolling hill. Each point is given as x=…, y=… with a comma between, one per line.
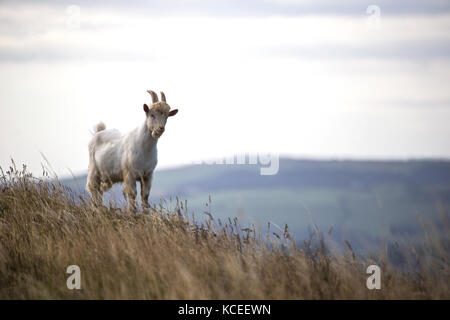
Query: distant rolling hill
x=362, y=200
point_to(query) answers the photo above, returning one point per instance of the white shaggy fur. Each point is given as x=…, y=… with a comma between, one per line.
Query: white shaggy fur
x=129, y=158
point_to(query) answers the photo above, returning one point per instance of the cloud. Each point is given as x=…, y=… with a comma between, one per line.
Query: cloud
x=42, y=34
x=258, y=7
x=403, y=51
x=329, y=77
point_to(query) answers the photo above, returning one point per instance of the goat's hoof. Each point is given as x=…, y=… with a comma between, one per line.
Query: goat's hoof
x=131, y=211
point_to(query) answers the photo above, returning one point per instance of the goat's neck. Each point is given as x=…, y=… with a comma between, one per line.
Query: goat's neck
x=145, y=138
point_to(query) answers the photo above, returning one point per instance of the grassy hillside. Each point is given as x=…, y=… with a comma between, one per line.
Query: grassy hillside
x=44, y=227
x=364, y=201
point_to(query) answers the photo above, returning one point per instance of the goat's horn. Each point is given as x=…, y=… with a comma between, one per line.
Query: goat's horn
x=154, y=96
x=163, y=97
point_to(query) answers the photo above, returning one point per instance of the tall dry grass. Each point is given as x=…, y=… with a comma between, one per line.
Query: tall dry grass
x=166, y=255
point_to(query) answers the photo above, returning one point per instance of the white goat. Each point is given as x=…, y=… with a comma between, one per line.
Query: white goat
x=128, y=158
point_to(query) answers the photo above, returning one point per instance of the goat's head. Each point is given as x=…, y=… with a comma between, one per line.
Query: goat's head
x=157, y=114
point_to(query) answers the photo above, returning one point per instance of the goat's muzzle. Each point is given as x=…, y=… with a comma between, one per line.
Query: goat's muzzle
x=157, y=132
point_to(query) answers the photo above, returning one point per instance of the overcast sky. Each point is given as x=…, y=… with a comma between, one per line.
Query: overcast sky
x=301, y=78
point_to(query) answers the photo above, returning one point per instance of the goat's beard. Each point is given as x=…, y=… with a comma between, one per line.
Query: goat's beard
x=155, y=134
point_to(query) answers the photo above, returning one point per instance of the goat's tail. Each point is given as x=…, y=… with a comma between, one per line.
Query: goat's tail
x=100, y=127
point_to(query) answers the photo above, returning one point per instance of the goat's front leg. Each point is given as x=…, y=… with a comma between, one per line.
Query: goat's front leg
x=130, y=191
x=146, y=185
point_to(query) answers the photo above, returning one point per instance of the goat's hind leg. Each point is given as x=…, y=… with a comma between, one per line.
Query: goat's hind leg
x=129, y=191
x=94, y=186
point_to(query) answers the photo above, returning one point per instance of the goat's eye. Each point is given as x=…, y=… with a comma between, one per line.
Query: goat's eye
x=152, y=116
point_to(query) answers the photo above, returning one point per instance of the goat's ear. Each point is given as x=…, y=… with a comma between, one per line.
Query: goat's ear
x=173, y=112
x=146, y=109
